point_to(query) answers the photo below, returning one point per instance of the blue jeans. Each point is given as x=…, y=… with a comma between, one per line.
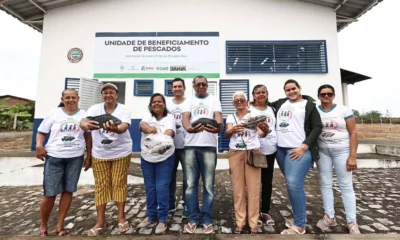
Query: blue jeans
x=200, y=161
x=337, y=158
x=157, y=177
x=179, y=158
x=295, y=172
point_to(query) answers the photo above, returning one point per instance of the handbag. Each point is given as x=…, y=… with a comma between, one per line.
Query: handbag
x=254, y=157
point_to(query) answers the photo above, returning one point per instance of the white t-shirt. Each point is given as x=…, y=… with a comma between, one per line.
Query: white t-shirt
x=290, y=124
x=66, y=137
x=248, y=136
x=110, y=145
x=268, y=144
x=334, y=132
x=176, y=111
x=162, y=125
x=202, y=108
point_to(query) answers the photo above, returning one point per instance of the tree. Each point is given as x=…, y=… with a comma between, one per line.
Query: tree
x=373, y=114
x=356, y=113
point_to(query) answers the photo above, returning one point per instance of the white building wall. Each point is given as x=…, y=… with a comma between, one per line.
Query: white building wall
x=76, y=25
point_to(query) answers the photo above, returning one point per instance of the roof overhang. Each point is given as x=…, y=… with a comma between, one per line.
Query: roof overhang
x=31, y=12
x=350, y=77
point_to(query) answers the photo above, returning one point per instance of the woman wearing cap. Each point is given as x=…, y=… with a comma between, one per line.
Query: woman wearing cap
x=243, y=175
x=338, y=149
x=112, y=147
x=63, y=156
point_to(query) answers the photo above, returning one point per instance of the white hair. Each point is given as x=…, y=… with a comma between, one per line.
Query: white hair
x=239, y=93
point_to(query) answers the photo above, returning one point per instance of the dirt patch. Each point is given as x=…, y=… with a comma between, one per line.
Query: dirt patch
x=379, y=131
x=20, y=144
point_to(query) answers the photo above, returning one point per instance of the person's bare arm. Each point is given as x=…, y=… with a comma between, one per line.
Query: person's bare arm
x=146, y=128
x=352, y=160
x=87, y=124
x=40, y=150
x=88, y=161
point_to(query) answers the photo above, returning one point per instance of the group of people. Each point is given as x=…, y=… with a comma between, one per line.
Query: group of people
x=297, y=133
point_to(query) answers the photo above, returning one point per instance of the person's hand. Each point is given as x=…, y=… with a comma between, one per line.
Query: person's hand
x=237, y=128
x=296, y=153
x=263, y=126
x=198, y=128
x=110, y=126
x=152, y=130
x=93, y=125
x=40, y=152
x=87, y=163
x=351, y=163
x=211, y=129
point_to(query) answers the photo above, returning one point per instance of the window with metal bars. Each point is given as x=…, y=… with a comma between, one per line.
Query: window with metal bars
x=143, y=87
x=276, y=57
x=168, y=88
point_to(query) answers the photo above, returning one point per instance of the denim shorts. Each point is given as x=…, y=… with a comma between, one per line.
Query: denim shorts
x=61, y=175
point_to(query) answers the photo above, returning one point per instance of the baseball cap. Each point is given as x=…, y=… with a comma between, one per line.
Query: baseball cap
x=109, y=85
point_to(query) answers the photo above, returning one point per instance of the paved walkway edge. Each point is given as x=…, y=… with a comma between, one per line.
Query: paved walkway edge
x=221, y=237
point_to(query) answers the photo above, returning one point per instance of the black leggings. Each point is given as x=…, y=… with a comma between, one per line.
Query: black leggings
x=267, y=175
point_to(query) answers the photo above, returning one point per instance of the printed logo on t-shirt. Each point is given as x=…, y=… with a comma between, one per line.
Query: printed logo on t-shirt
x=286, y=113
x=327, y=134
x=106, y=142
x=283, y=124
x=201, y=111
x=177, y=113
x=69, y=128
x=330, y=124
x=242, y=137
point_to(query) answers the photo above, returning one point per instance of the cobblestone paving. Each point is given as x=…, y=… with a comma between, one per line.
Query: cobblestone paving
x=377, y=192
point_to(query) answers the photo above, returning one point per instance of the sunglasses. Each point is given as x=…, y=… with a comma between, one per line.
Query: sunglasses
x=241, y=100
x=326, y=94
x=201, y=84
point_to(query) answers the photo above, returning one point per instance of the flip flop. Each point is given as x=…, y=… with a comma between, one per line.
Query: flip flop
x=94, y=232
x=122, y=228
x=62, y=233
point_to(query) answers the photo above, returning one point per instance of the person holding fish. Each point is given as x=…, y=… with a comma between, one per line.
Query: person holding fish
x=201, y=153
x=111, y=154
x=157, y=161
x=337, y=148
x=243, y=175
x=298, y=127
x=63, y=158
x=259, y=106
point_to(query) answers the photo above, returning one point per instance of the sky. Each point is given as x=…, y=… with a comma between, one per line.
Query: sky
x=370, y=46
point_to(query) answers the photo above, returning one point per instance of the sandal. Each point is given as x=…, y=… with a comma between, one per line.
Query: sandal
x=94, y=232
x=293, y=231
x=289, y=222
x=123, y=227
x=253, y=231
x=239, y=230
x=62, y=233
x=269, y=222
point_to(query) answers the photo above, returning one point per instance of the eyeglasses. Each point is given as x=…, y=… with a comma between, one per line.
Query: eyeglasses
x=329, y=94
x=201, y=84
x=241, y=100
